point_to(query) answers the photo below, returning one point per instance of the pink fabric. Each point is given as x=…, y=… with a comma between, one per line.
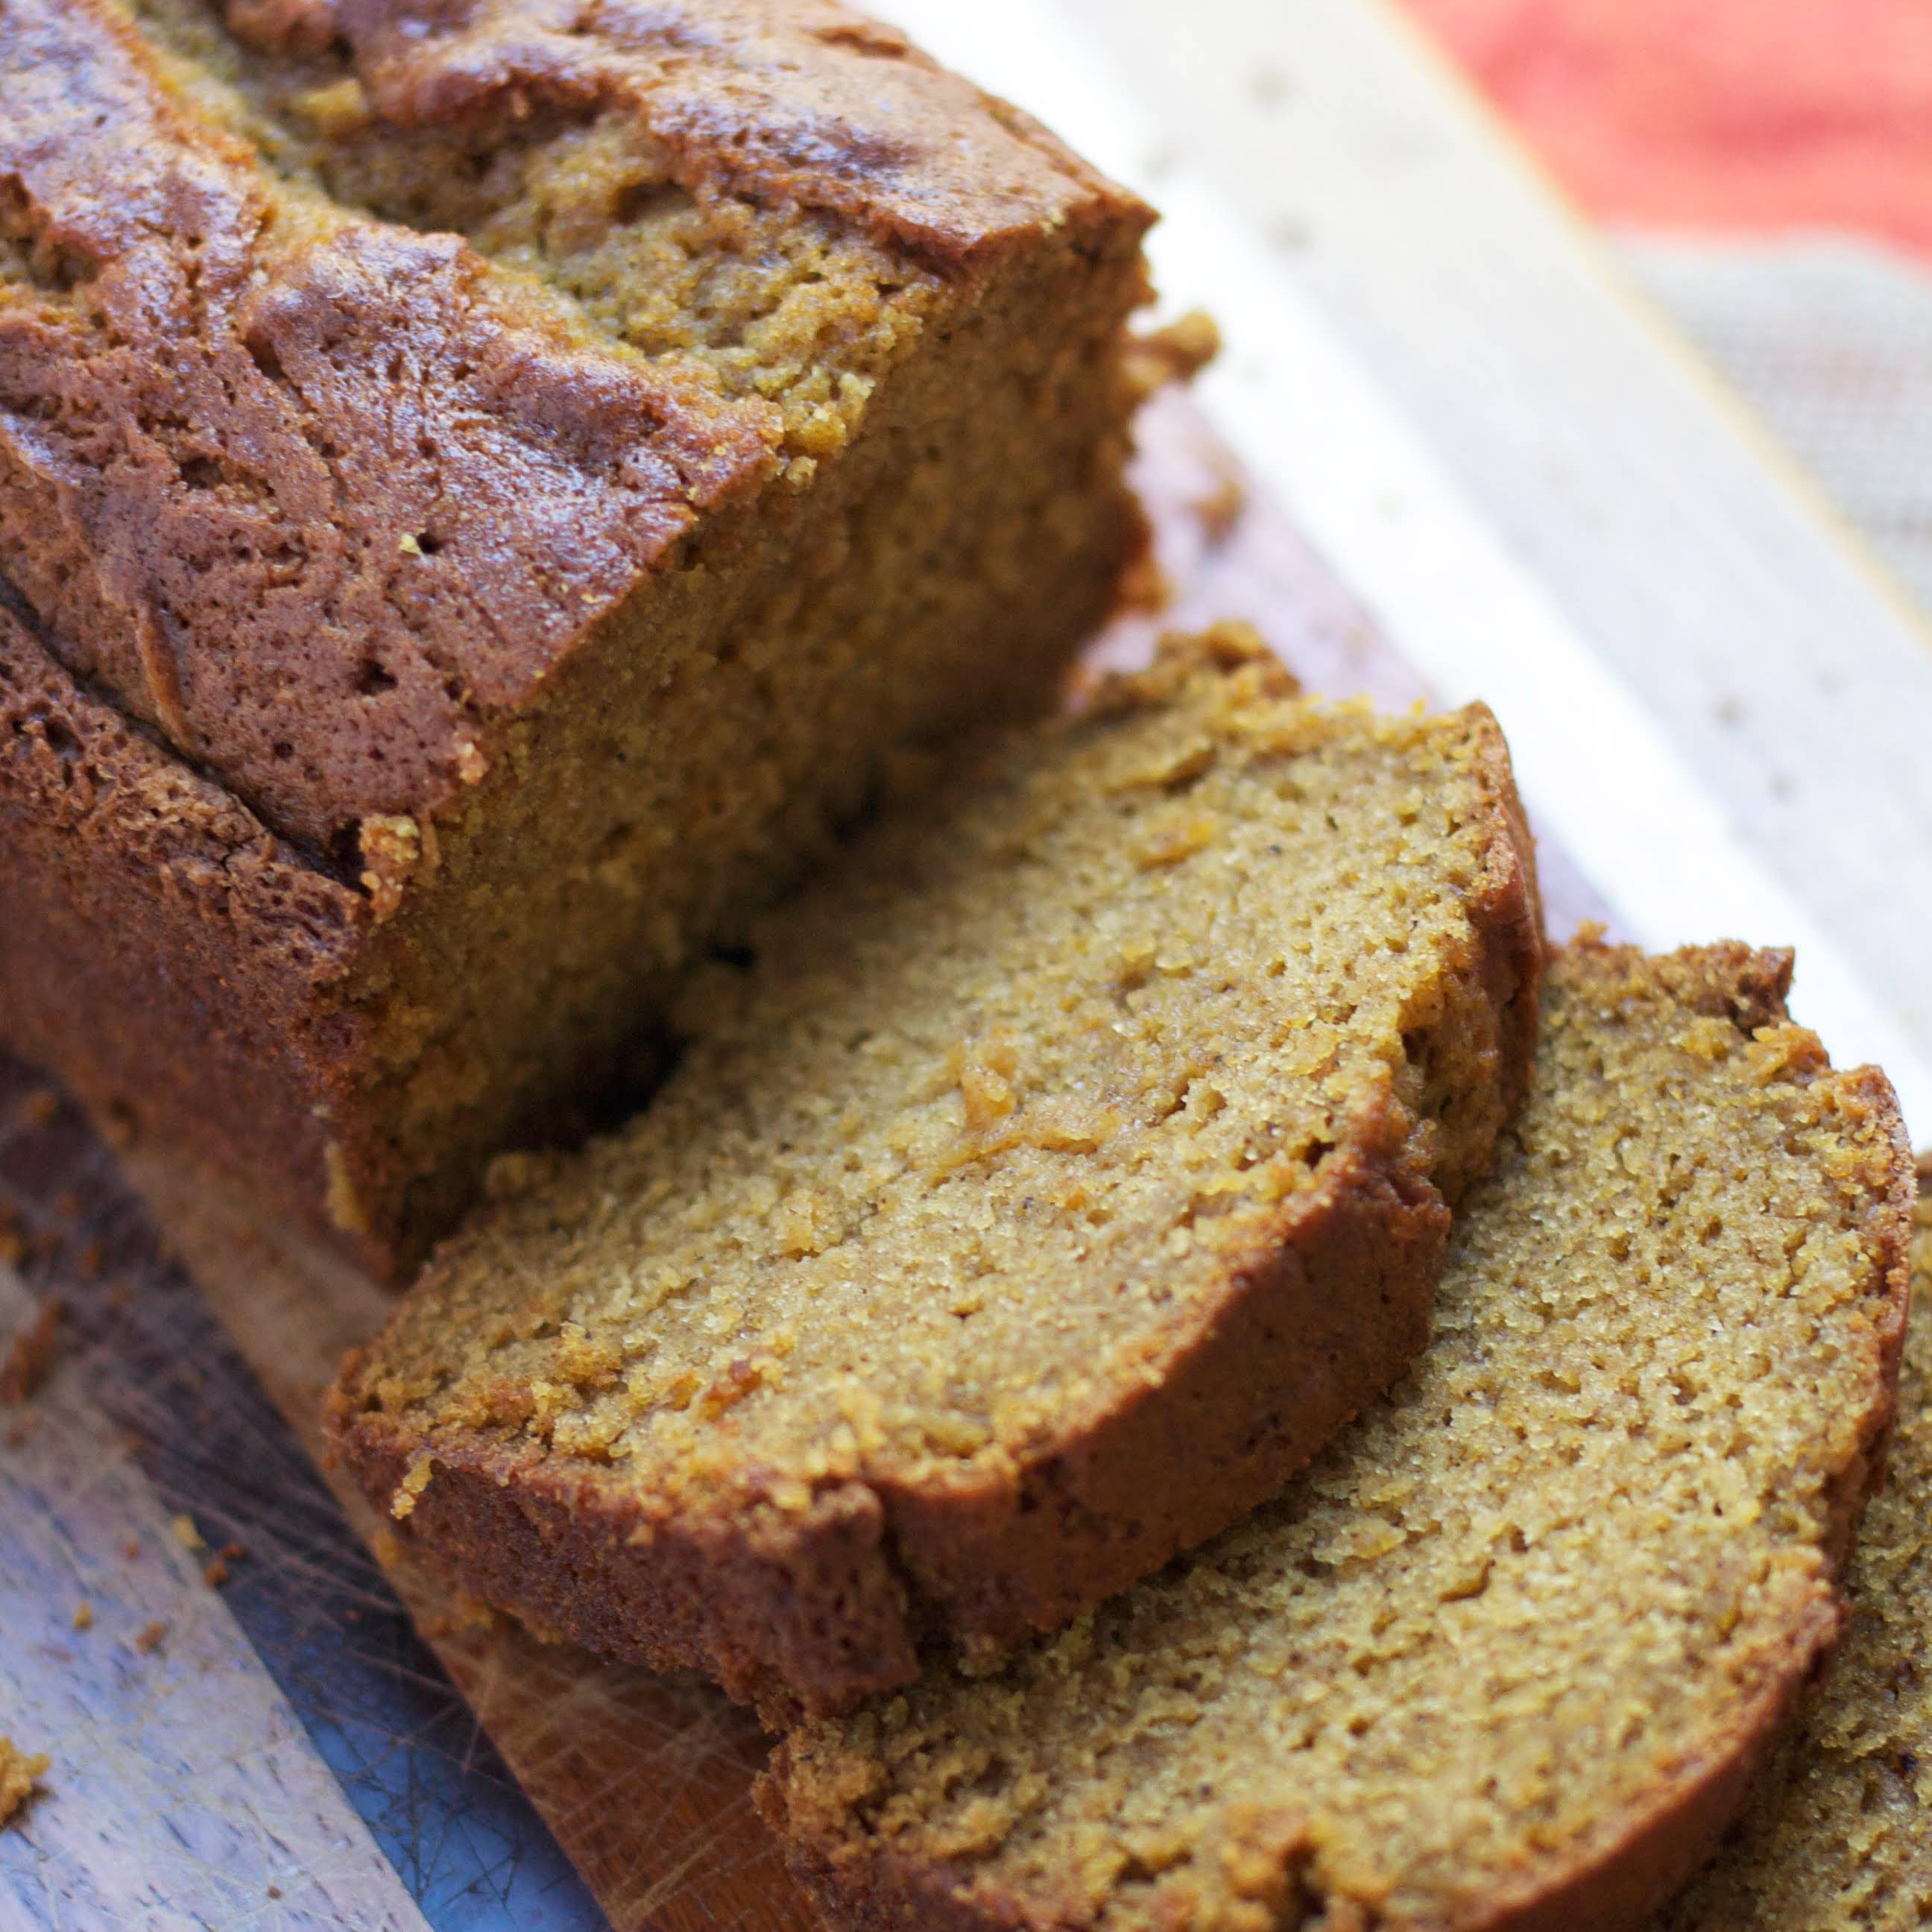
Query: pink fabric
x=1732, y=115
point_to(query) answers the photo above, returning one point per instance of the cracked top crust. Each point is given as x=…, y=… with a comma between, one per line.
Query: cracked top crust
x=804, y=101
x=319, y=499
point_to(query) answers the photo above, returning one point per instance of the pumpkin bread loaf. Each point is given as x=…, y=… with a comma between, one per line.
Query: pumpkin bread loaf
x=1507, y=1654
x=1840, y=1839
x=482, y=486
x=1068, y=1166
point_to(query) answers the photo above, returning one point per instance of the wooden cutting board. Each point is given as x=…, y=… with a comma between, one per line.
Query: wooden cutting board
x=644, y=1781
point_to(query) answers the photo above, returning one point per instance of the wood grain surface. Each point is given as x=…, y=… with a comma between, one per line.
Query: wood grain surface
x=185, y=1783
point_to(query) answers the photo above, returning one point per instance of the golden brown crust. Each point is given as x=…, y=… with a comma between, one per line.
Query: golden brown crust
x=320, y=498
x=805, y=101
x=1511, y=924
x=1867, y=1086
x=147, y=911
x=226, y=415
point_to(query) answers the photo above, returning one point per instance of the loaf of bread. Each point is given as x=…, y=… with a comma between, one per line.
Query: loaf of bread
x=1069, y=1166
x=1507, y=1655
x=481, y=489
x=1840, y=1838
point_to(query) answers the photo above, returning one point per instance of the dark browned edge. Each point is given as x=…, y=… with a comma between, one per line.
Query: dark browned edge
x=1509, y=903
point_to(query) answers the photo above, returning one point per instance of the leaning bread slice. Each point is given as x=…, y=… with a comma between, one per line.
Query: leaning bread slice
x=1508, y=1653
x=1064, y=1172
x=1840, y=1836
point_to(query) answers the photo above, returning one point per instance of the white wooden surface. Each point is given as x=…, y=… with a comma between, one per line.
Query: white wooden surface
x=184, y=1792
x=1716, y=702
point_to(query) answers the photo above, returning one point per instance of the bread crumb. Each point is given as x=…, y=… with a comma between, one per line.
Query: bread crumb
x=186, y=1534
x=13, y=1241
x=1144, y=587
x=345, y=1210
x=1220, y=509
x=1176, y=352
x=131, y=1548
x=1441, y=1575
x=20, y=1776
x=461, y=1612
x=31, y=1354
x=965, y=1037
x=215, y=1572
x=38, y=1108
x=83, y=1616
x=415, y=1480
x=392, y=850
x=149, y=1637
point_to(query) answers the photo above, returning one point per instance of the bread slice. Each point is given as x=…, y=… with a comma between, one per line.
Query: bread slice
x=525, y=467
x=1067, y=1167
x=1840, y=1836
x=1507, y=1654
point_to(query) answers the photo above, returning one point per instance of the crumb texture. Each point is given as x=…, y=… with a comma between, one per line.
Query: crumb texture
x=1006, y=1116
x=1486, y=1656
x=1840, y=1838
x=20, y=1777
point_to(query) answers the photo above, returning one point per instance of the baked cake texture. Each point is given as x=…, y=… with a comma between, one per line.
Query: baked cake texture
x=1839, y=1839
x=483, y=487
x=1068, y=1166
x=1507, y=1654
